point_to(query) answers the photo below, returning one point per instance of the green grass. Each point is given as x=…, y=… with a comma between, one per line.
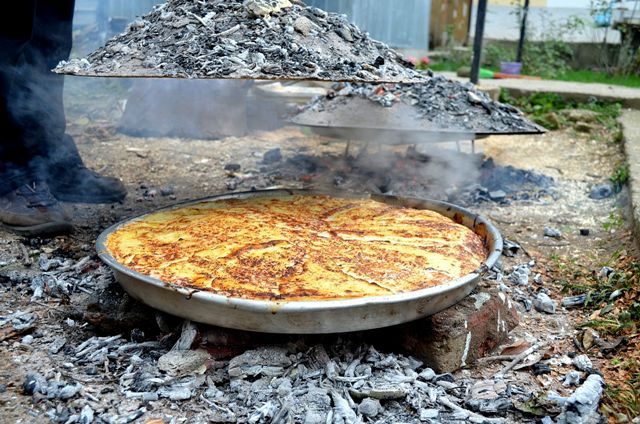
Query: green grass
x=600, y=77
x=586, y=76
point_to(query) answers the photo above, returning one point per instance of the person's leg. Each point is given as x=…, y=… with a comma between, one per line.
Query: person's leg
x=16, y=30
x=26, y=204
x=67, y=176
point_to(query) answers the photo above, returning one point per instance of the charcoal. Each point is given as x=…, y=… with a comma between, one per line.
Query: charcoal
x=221, y=39
x=520, y=275
x=574, y=301
x=86, y=415
x=584, y=232
x=582, y=405
x=541, y=368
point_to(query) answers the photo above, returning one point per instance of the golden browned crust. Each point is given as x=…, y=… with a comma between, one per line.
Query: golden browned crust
x=298, y=248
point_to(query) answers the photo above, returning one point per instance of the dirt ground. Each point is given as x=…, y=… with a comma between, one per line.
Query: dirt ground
x=159, y=172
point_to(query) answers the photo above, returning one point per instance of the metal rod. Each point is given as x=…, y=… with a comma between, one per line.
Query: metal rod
x=477, y=41
x=523, y=31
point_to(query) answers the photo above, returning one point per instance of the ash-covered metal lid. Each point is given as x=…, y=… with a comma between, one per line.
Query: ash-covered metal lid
x=244, y=39
x=437, y=109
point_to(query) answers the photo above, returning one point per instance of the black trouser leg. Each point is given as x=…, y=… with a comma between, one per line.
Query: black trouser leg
x=32, y=122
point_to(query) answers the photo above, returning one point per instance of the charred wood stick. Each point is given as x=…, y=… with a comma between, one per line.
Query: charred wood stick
x=9, y=333
x=472, y=416
x=497, y=358
x=519, y=359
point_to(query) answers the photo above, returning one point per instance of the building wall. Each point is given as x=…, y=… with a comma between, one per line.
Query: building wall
x=449, y=22
x=544, y=22
x=399, y=23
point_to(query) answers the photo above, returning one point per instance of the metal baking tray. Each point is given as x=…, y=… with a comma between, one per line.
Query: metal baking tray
x=308, y=317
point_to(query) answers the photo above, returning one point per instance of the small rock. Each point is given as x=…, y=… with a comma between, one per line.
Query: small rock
x=584, y=232
x=345, y=33
x=552, y=232
x=369, y=407
x=497, y=195
x=3, y=388
x=272, y=156
x=602, y=191
x=543, y=303
x=27, y=340
x=181, y=362
x=304, y=25
x=260, y=8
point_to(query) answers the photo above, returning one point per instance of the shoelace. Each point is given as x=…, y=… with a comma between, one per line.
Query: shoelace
x=37, y=195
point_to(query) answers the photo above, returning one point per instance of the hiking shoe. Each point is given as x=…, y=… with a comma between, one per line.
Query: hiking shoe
x=82, y=185
x=32, y=211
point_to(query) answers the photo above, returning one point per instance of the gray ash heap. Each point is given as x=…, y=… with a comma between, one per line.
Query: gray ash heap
x=236, y=39
x=436, y=106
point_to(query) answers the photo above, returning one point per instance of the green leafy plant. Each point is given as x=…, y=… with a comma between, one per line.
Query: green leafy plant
x=620, y=177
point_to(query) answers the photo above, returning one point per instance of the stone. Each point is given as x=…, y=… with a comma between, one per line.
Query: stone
x=497, y=195
x=182, y=362
x=304, y=25
x=543, y=303
x=260, y=8
x=369, y=407
x=459, y=335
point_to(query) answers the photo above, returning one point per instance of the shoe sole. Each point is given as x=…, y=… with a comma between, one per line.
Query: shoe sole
x=40, y=230
x=70, y=198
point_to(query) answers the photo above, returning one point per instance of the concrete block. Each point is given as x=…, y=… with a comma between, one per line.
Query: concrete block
x=461, y=334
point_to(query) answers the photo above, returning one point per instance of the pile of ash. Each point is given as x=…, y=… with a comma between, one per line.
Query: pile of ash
x=255, y=39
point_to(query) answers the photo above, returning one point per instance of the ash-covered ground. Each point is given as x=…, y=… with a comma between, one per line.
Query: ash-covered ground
x=75, y=348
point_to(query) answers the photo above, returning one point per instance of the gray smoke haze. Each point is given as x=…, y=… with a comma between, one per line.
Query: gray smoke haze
x=217, y=109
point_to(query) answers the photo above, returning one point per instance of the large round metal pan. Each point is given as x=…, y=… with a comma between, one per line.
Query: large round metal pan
x=308, y=317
